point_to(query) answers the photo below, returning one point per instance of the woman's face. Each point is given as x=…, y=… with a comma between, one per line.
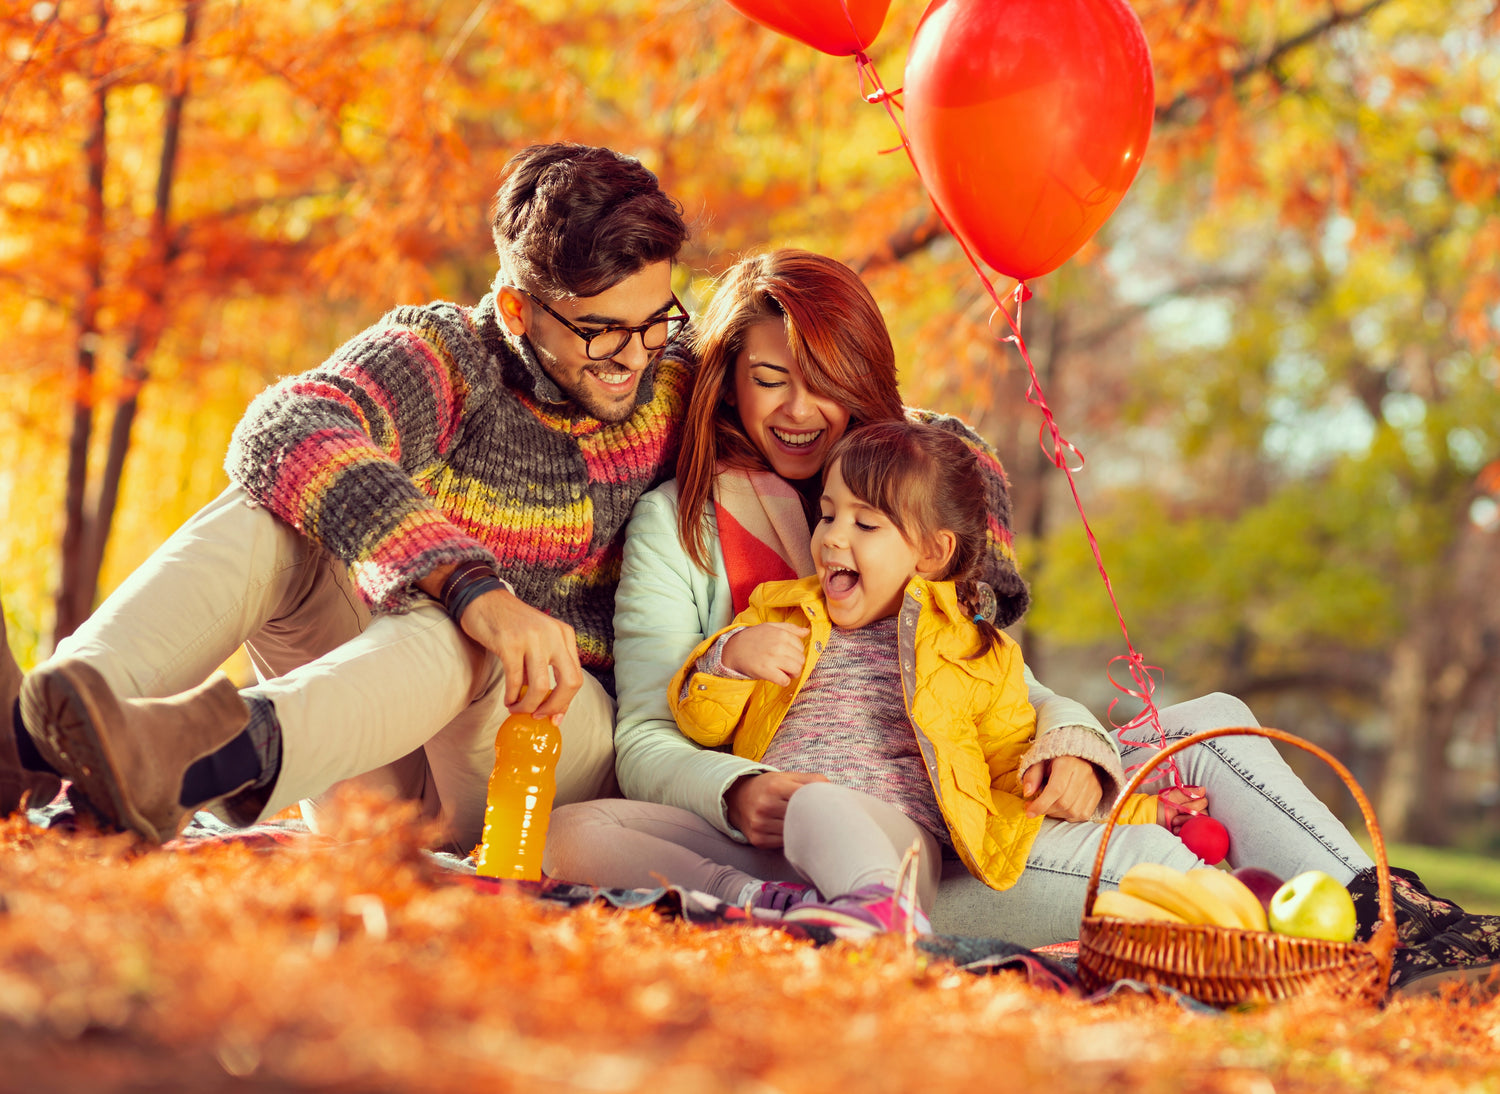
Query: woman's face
x=793, y=428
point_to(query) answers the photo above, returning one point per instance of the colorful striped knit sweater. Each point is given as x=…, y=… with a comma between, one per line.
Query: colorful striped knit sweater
x=434, y=437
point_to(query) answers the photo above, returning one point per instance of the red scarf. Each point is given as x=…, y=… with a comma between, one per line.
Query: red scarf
x=762, y=531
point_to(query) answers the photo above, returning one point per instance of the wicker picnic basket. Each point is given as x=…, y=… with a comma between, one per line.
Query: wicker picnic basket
x=1225, y=967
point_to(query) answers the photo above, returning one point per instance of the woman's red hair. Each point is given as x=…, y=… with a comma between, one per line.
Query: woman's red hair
x=838, y=339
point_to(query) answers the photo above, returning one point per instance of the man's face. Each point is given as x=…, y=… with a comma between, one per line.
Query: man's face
x=604, y=389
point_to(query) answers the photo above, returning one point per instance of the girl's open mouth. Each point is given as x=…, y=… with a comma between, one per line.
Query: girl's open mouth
x=840, y=581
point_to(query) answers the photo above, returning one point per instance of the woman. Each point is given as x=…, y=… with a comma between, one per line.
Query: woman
x=793, y=352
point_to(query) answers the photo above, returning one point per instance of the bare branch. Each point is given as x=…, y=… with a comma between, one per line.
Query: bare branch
x=1267, y=58
x=916, y=236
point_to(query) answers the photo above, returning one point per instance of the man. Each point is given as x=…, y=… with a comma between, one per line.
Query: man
x=421, y=535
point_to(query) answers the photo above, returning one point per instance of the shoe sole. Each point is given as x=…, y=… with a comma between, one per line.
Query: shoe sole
x=63, y=718
x=842, y=924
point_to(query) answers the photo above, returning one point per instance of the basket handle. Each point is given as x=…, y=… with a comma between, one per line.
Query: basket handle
x=1383, y=942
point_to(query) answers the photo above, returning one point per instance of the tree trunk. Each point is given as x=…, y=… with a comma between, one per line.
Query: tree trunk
x=73, y=599
x=149, y=323
x=1414, y=790
x=87, y=532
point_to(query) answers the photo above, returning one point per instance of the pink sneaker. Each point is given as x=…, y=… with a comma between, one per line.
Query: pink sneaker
x=864, y=913
x=775, y=898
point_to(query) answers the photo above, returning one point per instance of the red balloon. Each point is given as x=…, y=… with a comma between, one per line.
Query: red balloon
x=839, y=27
x=1028, y=120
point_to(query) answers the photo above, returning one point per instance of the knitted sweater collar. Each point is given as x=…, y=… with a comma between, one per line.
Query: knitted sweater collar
x=523, y=373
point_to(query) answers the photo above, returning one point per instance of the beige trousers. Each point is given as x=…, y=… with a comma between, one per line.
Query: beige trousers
x=400, y=703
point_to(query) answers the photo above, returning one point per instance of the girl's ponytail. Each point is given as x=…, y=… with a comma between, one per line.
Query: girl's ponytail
x=979, y=599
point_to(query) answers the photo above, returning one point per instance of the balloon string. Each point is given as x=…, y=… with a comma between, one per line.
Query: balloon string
x=849, y=18
x=1059, y=452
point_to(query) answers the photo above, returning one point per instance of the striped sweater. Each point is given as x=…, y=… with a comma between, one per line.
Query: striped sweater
x=435, y=437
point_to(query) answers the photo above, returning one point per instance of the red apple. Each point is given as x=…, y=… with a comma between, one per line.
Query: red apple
x=1262, y=883
x=1206, y=838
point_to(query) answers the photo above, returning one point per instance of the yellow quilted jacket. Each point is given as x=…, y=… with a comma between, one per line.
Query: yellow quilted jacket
x=972, y=718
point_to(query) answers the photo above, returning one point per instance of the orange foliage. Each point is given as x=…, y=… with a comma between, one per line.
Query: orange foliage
x=360, y=967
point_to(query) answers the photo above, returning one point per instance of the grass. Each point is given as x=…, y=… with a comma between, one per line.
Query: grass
x=356, y=969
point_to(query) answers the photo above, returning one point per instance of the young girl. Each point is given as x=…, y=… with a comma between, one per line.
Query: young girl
x=884, y=680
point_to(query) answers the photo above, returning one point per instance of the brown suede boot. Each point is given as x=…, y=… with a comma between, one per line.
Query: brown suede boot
x=17, y=785
x=127, y=758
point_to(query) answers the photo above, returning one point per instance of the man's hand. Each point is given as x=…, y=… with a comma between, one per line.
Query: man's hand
x=538, y=654
x=757, y=803
x=1065, y=787
x=767, y=651
x=1177, y=806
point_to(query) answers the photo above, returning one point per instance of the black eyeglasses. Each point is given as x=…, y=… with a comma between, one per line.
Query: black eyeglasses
x=607, y=342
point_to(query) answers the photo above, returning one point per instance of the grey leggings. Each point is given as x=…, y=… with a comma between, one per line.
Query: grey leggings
x=838, y=839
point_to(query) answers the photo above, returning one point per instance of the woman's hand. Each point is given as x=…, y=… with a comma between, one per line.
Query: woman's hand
x=767, y=651
x=1065, y=787
x=757, y=803
x=1175, y=807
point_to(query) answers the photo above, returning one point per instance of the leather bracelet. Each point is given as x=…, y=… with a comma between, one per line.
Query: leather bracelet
x=469, y=592
x=461, y=571
x=468, y=581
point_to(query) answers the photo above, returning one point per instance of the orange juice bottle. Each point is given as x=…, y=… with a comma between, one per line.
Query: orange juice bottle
x=522, y=786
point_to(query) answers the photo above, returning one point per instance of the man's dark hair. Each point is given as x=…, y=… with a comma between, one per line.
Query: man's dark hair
x=573, y=220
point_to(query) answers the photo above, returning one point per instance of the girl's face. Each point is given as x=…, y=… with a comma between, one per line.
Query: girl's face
x=792, y=427
x=862, y=560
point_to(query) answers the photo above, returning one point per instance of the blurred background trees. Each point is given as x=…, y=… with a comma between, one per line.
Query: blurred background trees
x=1277, y=357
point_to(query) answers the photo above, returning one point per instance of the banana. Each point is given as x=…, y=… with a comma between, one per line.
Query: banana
x=1235, y=893
x=1111, y=902
x=1178, y=893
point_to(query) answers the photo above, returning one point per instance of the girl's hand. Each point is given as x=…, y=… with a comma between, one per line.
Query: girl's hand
x=1175, y=807
x=757, y=803
x=767, y=651
x=1065, y=787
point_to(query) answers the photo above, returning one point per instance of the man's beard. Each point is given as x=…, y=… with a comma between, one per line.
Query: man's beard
x=593, y=402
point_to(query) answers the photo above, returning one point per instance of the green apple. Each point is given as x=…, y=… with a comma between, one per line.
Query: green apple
x=1313, y=905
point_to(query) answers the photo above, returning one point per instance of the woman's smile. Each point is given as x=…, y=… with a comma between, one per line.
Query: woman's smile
x=796, y=440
